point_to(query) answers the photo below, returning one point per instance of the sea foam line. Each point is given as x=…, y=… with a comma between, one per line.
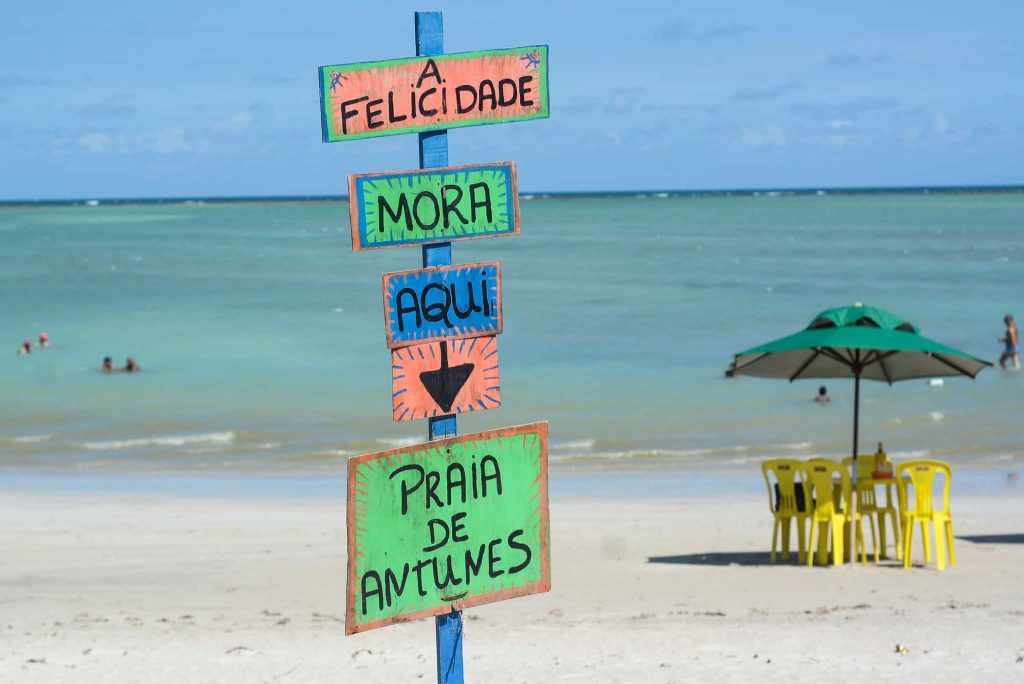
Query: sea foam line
x=573, y=445
x=226, y=437
x=396, y=442
x=734, y=455
x=224, y=448
x=30, y=439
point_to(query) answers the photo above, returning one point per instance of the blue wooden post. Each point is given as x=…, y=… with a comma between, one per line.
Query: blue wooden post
x=434, y=153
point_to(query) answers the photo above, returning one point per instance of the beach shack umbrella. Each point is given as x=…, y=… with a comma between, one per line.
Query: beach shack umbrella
x=857, y=342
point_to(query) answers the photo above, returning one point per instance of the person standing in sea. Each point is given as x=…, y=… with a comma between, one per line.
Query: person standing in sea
x=1012, y=342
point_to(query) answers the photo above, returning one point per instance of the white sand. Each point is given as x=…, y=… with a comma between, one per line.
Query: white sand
x=158, y=588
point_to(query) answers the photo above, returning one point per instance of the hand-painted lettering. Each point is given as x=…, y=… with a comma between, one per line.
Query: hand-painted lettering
x=449, y=569
x=429, y=93
x=431, y=207
x=454, y=522
x=486, y=473
x=442, y=303
x=450, y=203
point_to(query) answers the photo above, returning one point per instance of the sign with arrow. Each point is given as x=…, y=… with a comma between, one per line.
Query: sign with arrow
x=443, y=302
x=445, y=377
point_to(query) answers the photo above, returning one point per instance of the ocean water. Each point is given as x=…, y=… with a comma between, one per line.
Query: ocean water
x=260, y=333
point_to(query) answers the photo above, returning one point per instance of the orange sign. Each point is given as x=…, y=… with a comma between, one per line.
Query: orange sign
x=369, y=99
x=445, y=377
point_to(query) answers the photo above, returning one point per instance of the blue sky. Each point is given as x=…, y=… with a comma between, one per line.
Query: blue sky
x=141, y=99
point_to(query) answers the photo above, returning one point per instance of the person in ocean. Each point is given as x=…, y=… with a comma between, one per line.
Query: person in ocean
x=1012, y=342
x=822, y=397
x=108, y=365
x=44, y=340
x=130, y=366
x=25, y=348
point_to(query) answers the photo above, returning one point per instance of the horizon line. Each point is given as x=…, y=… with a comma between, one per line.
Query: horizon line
x=540, y=194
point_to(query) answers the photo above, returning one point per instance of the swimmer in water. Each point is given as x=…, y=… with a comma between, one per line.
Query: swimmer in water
x=26, y=347
x=822, y=397
x=44, y=340
x=130, y=366
x=108, y=365
x=1011, y=342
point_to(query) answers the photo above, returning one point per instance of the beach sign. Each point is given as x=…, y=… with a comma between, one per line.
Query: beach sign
x=457, y=521
x=433, y=92
x=447, y=524
x=431, y=205
x=442, y=302
x=444, y=378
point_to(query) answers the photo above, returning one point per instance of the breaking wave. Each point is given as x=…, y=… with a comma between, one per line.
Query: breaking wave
x=225, y=437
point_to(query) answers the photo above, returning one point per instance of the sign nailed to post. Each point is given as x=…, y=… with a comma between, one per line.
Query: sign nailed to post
x=451, y=523
x=445, y=377
x=449, y=203
x=369, y=99
x=443, y=302
x=458, y=521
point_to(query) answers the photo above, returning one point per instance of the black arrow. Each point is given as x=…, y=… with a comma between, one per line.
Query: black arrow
x=444, y=384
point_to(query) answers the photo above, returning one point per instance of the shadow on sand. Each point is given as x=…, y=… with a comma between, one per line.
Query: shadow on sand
x=724, y=558
x=994, y=538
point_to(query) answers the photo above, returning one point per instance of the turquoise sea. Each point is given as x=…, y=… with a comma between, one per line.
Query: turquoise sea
x=260, y=333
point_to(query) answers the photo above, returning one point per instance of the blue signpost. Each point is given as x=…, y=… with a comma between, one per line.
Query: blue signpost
x=434, y=154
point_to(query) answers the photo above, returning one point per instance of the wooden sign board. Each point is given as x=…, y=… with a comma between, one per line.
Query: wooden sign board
x=451, y=523
x=369, y=99
x=433, y=205
x=443, y=302
x=445, y=377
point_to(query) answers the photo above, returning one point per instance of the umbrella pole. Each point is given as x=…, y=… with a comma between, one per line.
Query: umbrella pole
x=856, y=417
x=853, y=477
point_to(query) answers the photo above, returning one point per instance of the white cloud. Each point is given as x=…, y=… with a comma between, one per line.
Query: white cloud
x=836, y=141
x=237, y=124
x=166, y=141
x=770, y=135
x=95, y=141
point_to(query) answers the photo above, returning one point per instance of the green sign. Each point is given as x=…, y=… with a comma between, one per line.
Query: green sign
x=451, y=523
x=397, y=208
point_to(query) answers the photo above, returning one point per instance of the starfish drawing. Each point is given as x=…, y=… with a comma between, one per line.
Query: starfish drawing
x=531, y=58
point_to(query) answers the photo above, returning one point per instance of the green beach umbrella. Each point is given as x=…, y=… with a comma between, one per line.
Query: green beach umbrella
x=856, y=342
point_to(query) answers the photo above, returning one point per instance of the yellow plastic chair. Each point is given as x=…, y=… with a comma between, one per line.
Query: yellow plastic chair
x=787, y=497
x=830, y=509
x=919, y=476
x=876, y=512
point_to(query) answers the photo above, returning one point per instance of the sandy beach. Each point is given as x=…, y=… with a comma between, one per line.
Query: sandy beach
x=108, y=586
x=608, y=262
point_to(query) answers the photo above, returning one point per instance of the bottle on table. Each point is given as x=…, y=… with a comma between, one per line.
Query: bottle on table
x=883, y=466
